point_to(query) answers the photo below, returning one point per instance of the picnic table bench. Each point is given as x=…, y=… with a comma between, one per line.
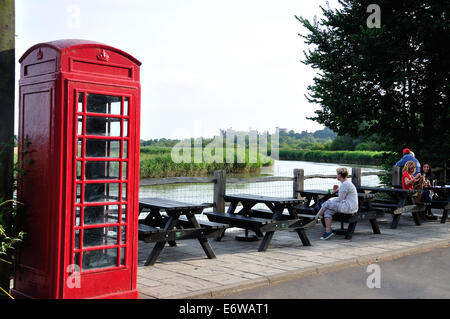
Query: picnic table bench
x=442, y=201
x=259, y=221
x=398, y=202
x=179, y=222
x=365, y=211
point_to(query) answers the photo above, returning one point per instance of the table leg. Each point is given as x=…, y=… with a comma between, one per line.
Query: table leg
x=155, y=253
x=444, y=216
x=350, y=230
x=203, y=241
x=160, y=245
x=375, y=227
x=266, y=241
x=277, y=212
x=300, y=231
x=416, y=218
x=395, y=219
x=245, y=212
x=302, y=234
x=230, y=210
x=154, y=219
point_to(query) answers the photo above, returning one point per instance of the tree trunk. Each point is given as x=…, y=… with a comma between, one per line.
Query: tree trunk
x=7, y=87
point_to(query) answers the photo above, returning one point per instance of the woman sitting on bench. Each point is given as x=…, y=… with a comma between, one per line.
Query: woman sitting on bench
x=346, y=202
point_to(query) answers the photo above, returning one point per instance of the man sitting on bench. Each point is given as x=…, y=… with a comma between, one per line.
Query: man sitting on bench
x=346, y=202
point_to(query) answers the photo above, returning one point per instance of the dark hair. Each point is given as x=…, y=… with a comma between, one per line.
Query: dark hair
x=430, y=173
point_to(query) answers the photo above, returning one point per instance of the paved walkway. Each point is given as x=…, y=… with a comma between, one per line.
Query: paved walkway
x=185, y=272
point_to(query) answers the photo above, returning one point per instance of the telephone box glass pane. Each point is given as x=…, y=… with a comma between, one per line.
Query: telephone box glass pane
x=101, y=192
x=124, y=191
x=125, y=128
x=77, y=216
x=103, y=214
x=125, y=106
x=124, y=213
x=123, y=237
x=103, y=126
x=76, y=259
x=80, y=102
x=79, y=165
x=80, y=148
x=77, y=239
x=125, y=149
x=78, y=193
x=124, y=170
x=98, y=103
x=100, y=236
x=102, y=148
x=80, y=125
x=122, y=256
x=102, y=170
x=96, y=259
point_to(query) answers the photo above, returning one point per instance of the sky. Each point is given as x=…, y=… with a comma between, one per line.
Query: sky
x=207, y=65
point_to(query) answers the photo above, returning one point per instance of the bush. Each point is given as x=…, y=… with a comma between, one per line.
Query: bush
x=350, y=157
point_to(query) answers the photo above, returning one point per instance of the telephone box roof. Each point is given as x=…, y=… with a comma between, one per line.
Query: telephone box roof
x=67, y=45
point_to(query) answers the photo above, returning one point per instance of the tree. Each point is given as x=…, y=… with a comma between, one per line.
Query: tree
x=390, y=83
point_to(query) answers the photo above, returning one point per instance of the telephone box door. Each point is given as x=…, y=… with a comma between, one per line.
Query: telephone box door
x=102, y=212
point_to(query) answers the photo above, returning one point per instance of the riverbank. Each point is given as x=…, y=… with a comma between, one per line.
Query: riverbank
x=157, y=162
x=350, y=157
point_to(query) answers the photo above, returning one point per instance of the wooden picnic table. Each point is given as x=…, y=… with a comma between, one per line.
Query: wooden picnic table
x=442, y=201
x=268, y=221
x=397, y=202
x=178, y=222
x=365, y=211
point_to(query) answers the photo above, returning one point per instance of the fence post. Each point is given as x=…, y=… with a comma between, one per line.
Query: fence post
x=299, y=182
x=396, y=173
x=356, y=176
x=219, y=190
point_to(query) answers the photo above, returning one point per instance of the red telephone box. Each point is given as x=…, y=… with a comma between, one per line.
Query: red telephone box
x=79, y=113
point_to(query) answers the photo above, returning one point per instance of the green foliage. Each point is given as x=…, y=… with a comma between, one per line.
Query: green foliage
x=305, y=140
x=349, y=157
x=389, y=83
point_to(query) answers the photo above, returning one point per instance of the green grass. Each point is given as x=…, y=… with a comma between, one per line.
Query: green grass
x=349, y=157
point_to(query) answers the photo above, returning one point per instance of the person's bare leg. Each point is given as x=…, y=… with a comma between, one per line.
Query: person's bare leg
x=328, y=224
x=320, y=213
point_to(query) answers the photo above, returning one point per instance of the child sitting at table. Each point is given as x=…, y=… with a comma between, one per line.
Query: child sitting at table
x=346, y=202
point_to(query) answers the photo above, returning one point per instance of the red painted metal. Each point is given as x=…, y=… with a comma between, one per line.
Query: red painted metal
x=76, y=245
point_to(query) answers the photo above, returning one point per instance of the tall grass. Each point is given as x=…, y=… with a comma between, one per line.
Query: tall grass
x=157, y=162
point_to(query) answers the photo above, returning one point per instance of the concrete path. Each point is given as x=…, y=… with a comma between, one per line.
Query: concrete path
x=185, y=272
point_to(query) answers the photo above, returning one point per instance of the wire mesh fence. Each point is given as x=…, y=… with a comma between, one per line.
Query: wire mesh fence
x=203, y=193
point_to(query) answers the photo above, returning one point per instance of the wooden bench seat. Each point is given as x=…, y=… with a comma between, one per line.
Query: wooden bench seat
x=260, y=225
x=305, y=220
x=253, y=223
x=183, y=222
x=444, y=205
x=397, y=210
x=150, y=234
